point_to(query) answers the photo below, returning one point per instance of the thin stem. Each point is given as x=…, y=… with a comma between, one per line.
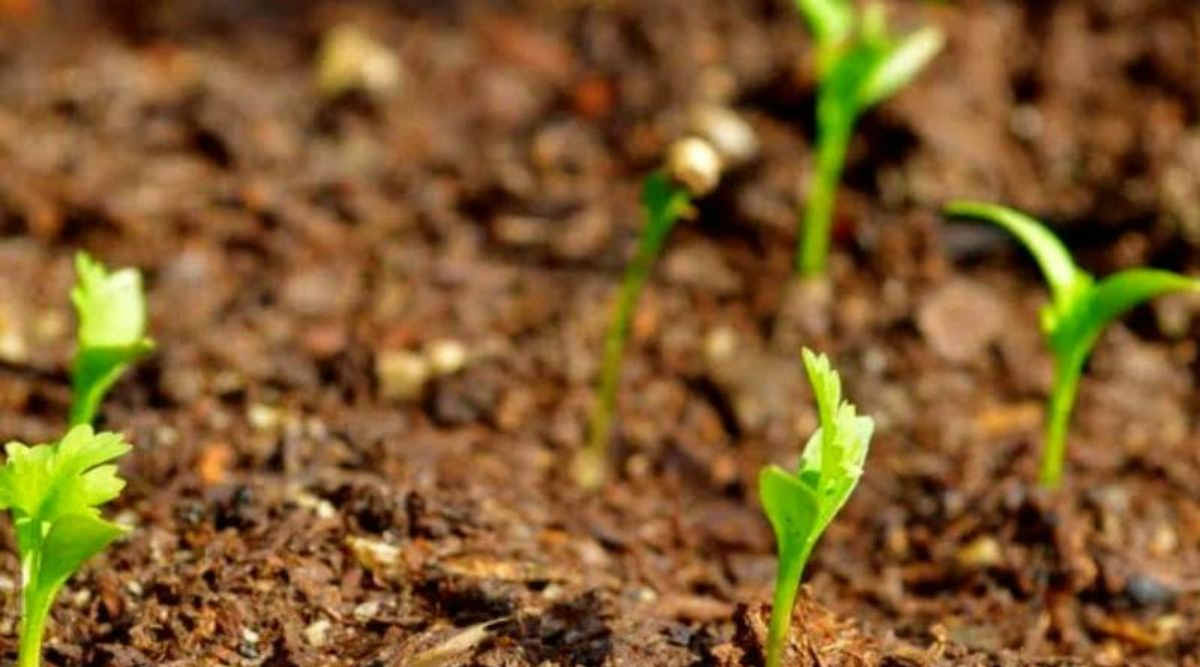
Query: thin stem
x=1067, y=370
x=592, y=461
x=813, y=248
x=663, y=203
x=787, y=583
x=35, y=609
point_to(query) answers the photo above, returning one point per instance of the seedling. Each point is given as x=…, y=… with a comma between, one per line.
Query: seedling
x=112, y=332
x=1078, y=311
x=664, y=202
x=859, y=64
x=53, y=492
x=800, y=505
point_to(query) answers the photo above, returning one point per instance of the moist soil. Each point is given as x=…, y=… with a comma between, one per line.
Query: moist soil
x=292, y=507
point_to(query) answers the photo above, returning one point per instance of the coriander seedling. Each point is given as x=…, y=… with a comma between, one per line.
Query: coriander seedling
x=1078, y=311
x=664, y=202
x=112, y=332
x=859, y=64
x=53, y=492
x=800, y=505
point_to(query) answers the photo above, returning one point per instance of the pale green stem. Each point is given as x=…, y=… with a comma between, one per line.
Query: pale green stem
x=787, y=583
x=1067, y=370
x=591, y=463
x=813, y=240
x=35, y=608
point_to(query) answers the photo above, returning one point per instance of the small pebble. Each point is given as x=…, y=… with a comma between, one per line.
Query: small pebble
x=402, y=374
x=263, y=417
x=446, y=357
x=981, y=553
x=350, y=58
x=1147, y=591
x=373, y=554
x=366, y=611
x=317, y=633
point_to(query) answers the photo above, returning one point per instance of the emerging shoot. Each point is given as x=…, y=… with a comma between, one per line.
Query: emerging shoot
x=718, y=140
x=859, y=64
x=112, y=332
x=53, y=492
x=801, y=504
x=1078, y=311
x=664, y=202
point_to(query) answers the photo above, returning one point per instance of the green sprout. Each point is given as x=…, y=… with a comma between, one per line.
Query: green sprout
x=53, y=492
x=800, y=505
x=859, y=64
x=1078, y=311
x=664, y=203
x=112, y=332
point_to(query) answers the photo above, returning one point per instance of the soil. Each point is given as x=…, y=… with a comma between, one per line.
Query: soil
x=291, y=507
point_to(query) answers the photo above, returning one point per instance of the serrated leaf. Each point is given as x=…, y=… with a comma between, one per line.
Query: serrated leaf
x=46, y=482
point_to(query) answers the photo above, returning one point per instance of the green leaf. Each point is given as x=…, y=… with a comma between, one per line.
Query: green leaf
x=830, y=21
x=111, y=306
x=46, y=482
x=664, y=203
x=901, y=65
x=72, y=540
x=1112, y=297
x=827, y=390
x=1067, y=281
x=112, y=332
x=835, y=454
x=791, y=506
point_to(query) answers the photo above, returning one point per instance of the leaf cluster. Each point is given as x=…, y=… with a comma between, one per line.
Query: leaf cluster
x=859, y=61
x=53, y=491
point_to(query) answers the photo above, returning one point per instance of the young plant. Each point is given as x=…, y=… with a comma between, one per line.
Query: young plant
x=664, y=202
x=859, y=64
x=800, y=505
x=53, y=492
x=112, y=332
x=1078, y=311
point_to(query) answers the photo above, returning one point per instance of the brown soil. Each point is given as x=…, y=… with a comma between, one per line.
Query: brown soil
x=288, y=513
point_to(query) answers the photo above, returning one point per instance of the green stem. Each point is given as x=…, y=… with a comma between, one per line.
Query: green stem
x=664, y=203
x=592, y=462
x=1067, y=370
x=787, y=583
x=813, y=240
x=35, y=609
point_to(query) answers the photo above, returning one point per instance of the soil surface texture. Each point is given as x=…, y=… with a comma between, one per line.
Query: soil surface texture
x=379, y=294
